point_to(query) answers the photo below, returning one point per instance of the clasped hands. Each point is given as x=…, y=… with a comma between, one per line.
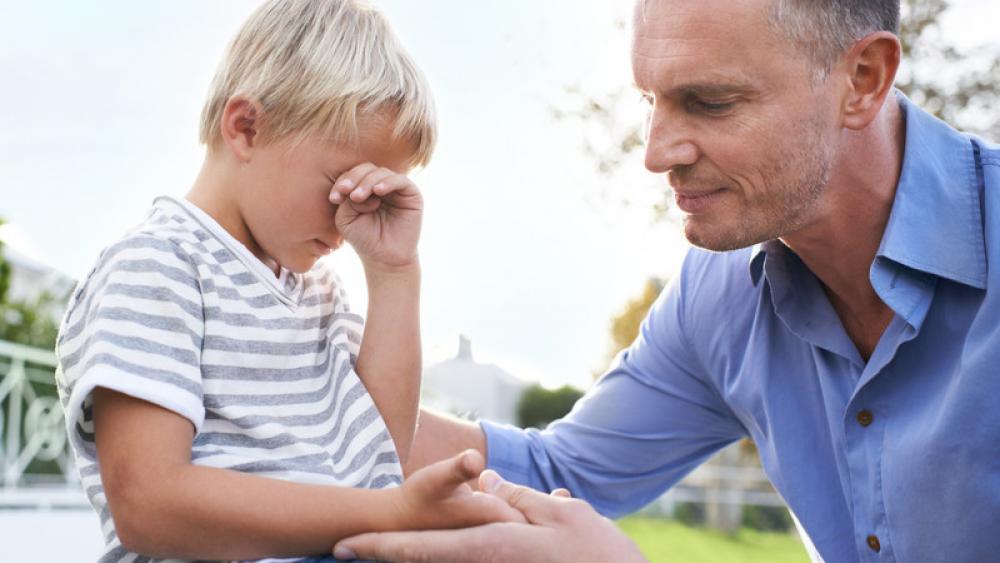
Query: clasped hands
x=499, y=522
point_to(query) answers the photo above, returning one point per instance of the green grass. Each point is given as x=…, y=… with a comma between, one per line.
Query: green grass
x=666, y=540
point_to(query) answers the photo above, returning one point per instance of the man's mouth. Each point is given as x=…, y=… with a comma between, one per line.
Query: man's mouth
x=694, y=202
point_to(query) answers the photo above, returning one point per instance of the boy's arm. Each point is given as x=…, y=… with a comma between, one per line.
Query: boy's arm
x=389, y=361
x=164, y=506
x=380, y=213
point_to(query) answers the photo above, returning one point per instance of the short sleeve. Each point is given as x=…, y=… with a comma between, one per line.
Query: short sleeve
x=135, y=326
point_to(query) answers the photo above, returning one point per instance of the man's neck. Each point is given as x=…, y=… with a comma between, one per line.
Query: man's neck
x=840, y=246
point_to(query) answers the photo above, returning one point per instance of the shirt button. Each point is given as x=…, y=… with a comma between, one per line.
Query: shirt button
x=865, y=418
x=874, y=544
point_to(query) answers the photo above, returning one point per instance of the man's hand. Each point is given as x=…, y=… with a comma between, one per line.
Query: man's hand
x=438, y=496
x=559, y=529
x=379, y=213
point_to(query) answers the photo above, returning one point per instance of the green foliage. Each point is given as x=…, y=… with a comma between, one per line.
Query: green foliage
x=4, y=272
x=23, y=322
x=662, y=540
x=539, y=406
x=690, y=514
x=767, y=518
x=30, y=323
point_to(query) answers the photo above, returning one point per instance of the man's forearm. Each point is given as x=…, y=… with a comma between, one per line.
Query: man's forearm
x=441, y=436
x=389, y=362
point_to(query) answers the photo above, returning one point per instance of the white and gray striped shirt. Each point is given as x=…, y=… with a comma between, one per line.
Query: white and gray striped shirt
x=180, y=314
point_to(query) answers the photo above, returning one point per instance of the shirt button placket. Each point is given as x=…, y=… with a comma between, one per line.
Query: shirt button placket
x=865, y=418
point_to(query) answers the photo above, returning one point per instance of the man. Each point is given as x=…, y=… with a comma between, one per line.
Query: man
x=848, y=321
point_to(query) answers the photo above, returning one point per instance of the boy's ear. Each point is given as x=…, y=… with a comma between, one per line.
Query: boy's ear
x=240, y=122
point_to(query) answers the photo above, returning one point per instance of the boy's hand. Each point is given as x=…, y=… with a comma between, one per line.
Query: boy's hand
x=559, y=529
x=379, y=213
x=438, y=496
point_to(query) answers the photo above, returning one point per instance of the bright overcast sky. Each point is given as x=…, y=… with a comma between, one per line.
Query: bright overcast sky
x=99, y=109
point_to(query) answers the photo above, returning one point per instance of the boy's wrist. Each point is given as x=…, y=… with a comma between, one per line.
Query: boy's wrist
x=396, y=514
x=406, y=271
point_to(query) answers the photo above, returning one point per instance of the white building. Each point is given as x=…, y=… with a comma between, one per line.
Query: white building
x=470, y=389
x=31, y=275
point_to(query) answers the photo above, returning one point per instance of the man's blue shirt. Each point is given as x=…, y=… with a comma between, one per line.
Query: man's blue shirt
x=904, y=447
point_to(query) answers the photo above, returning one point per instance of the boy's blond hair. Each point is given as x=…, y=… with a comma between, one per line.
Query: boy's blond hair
x=314, y=67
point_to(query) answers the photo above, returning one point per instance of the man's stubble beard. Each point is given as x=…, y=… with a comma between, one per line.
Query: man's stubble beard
x=787, y=204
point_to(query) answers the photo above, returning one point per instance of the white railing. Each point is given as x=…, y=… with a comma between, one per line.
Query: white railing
x=724, y=485
x=35, y=459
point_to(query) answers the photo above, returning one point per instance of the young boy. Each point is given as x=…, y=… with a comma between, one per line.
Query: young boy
x=220, y=396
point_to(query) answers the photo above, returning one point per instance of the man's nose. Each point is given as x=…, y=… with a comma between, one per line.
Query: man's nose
x=669, y=143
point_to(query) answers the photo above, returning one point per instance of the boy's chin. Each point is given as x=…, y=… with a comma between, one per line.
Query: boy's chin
x=300, y=264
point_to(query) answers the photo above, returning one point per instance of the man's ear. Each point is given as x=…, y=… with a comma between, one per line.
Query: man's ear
x=239, y=126
x=871, y=67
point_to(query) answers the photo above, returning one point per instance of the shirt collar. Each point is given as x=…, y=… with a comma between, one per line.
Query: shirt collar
x=757, y=253
x=936, y=222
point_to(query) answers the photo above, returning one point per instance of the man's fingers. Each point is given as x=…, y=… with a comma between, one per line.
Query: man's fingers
x=537, y=507
x=562, y=493
x=439, y=546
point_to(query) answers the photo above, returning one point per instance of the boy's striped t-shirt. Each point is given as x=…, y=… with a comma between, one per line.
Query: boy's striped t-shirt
x=180, y=314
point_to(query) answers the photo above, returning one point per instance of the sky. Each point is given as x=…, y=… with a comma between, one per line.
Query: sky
x=520, y=250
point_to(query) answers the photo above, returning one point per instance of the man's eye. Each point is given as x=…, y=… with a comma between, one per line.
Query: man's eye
x=713, y=108
x=646, y=98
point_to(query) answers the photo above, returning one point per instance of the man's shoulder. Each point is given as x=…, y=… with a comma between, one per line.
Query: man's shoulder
x=716, y=290
x=718, y=274
x=989, y=152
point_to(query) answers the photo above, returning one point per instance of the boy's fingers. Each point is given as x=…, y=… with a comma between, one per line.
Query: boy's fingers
x=349, y=180
x=367, y=206
x=561, y=492
x=394, y=184
x=364, y=186
x=447, y=475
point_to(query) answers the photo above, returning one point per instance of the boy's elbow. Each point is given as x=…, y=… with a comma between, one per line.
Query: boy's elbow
x=138, y=511
x=130, y=519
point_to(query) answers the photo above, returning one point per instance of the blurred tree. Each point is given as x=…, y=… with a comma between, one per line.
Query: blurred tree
x=539, y=406
x=29, y=323
x=960, y=87
x=4, y=271
x=625, y=325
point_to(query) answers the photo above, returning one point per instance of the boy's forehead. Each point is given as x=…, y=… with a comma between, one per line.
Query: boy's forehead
x=375, y=142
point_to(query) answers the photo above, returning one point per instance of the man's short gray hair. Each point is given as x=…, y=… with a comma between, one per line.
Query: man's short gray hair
x=826, y=29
